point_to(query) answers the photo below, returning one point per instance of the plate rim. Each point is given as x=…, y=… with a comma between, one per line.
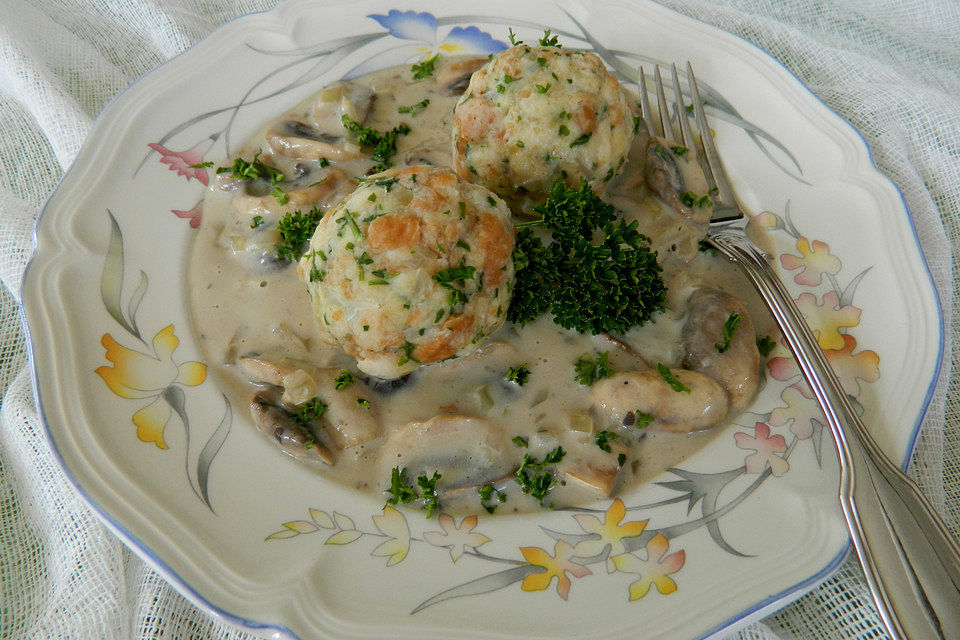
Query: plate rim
x=741, y=618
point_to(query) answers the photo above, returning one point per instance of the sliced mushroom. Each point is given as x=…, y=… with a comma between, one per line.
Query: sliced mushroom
x=295, y=139
x=464, y=450
x=598, y=471
x=428, y=155
x=350, y=418
x=295, y=439
x=620, y=397
x=736, y=368
x=677, y=179
x=454, y=77
x=323, y=192
x=623, y=355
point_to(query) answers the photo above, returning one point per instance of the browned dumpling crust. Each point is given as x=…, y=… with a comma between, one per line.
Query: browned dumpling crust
x=413, y=267
x=536, y=114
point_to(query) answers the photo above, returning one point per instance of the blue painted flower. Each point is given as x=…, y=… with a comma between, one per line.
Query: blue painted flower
x=422, y=28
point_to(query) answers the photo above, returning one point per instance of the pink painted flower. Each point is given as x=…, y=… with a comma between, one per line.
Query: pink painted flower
x=765, y=220
x=193, y=215
x=850, y=367
x=814, y=261
x=766, y=448
x=555, y=566
x=828, y=318
x=654, y=570
x=185, y=162
x=798, y=412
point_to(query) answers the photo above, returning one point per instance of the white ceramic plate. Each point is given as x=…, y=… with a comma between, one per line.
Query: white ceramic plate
x=150, y=440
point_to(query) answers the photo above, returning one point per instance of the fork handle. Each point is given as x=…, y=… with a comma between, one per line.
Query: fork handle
x=911, y=563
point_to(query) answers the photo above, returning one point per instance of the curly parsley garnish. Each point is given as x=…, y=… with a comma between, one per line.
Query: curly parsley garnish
x=296, y=229
x=597, y=275
x=671, y=380
x=403, y=493
x=428, y=491
x=520, y=374
x=729, y=328
x=384, y=143
x=589, y=370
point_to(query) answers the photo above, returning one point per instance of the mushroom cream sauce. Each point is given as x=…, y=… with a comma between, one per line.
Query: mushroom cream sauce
x=462, y=418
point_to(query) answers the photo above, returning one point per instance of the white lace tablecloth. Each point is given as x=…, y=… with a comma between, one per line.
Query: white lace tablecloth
x=890, y=67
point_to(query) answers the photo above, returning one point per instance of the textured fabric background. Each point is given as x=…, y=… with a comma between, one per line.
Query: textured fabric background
x=890, y=67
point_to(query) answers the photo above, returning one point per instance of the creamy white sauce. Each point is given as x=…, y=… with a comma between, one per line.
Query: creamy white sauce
x=244, y=303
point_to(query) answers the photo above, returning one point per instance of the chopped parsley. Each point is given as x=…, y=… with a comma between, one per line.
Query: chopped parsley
x=296, y=229
x=670, y=379
x=486, y=493
x=446, y=278
x=256, y=222
x=280, y=195
x=520, y=374
x=679, y=150
x=583, y=139
x=428, y=491
x=642, y=419
x=690, y=199
x=400, y=491
x=520, y=441
x=343, y=380
x=589, y=370
x=412, y=109
x=596, y=275
x=765, y=345
x=309, y=411
x=534, y=477
x=513, y=37
x=424, y=69
x=548, y=41
x=363, y=403
x=542, y=88
x=201, y=165
x=603, y=439
x=729, y=328
x=563, y=130
x=253, y=170
x=384, y=143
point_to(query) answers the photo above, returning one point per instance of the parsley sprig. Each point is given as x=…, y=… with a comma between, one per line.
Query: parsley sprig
x=597, y=275
x=589, y=370
x=520, y=375
x=534, y=477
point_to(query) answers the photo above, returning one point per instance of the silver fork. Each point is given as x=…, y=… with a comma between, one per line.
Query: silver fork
x=911, y=563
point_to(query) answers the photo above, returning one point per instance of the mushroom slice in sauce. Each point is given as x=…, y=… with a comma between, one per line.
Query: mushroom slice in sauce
x=620, y=397
x=295, y=139
x=295, y=439
x=453, y=78
x=464, y=450
x=676, y=178
x=350, y=418
x=346, y=98
x=736, y=368
x=597, y=471
x=324, y=190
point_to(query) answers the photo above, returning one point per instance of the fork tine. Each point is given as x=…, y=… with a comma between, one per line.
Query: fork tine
x=645, y=105
x=686, y=135
x=666, y=128
x=714, y=173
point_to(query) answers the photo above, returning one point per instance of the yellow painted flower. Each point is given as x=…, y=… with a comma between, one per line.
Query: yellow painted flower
x=456, y=538
x=555, y=566
x=138, y=376
x=610, y=532
x=827, y=318
x=393, y=525
x=654, y=570
x=814, y=260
